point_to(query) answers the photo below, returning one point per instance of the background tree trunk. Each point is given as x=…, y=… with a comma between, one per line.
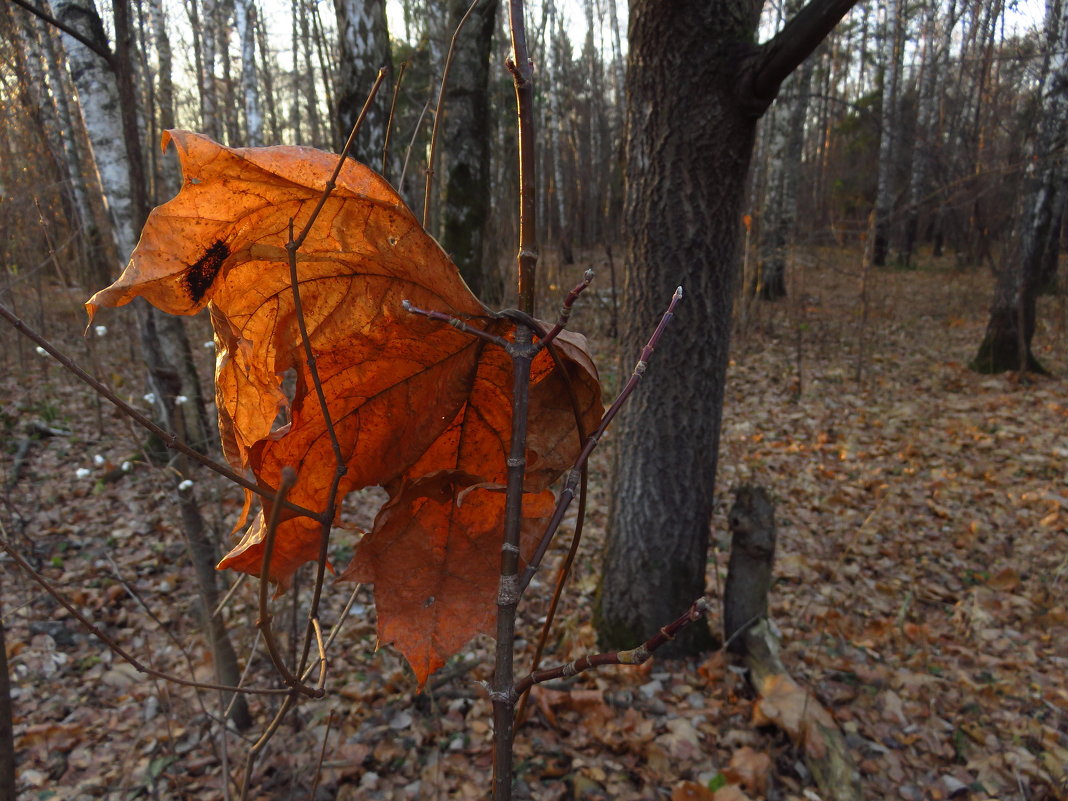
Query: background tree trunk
x=786, y=153
x=363, y=49
x=889, y=134
x=1011, y=327
x=467, y=141
x=163, y=340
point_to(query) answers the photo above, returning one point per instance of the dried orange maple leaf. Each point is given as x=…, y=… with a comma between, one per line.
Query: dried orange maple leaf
x=408, y=396
x=434, y=558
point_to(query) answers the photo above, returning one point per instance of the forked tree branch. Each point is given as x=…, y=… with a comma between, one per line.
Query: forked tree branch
x=784, y=52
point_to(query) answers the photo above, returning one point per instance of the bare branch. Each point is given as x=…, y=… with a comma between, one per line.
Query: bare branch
x=103, y=52
x=168, y=438
x=635, y=656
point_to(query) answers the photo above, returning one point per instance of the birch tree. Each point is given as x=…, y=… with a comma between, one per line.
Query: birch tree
x=926, y=109
x=363, y=49
x=467, y=141
x=104, y=81
x=780, y=211
x=245, y=20
x=1010, y=329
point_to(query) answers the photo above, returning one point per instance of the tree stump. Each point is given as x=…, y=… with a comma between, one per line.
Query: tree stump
x=783, y=702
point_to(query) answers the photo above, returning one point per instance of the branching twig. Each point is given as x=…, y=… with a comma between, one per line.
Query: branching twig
x=571, y=484
x=113, y=646
x=635, y=656
x=168, y=438
x=456, y=323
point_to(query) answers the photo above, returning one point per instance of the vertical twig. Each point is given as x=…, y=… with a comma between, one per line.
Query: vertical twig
x=522, y=352
x=389, y=119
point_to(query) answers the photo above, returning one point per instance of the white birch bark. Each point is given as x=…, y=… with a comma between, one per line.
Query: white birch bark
x=1007, y=342
x=99, y=96
x=786, y=145
x=884, y=193
x=363, y=49
x=245, y=17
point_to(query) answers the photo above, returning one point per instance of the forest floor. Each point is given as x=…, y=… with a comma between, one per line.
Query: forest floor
x=922, y=583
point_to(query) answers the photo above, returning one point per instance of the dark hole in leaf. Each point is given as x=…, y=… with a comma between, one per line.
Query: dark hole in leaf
x=203, y=272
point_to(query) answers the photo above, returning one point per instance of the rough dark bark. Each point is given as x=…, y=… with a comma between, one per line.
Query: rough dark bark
x=467, y=143
x=695, y=87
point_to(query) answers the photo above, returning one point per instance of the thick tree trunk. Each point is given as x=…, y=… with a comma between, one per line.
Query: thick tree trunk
x=363, y=49
x=467, y=142
x=696, y=85
x=687, y=157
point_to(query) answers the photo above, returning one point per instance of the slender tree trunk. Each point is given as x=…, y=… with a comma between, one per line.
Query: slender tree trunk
x=245, y=18
x=925, y=130
x=7, y=722
x=107, y=97
x=780, y=211
x=888, y=138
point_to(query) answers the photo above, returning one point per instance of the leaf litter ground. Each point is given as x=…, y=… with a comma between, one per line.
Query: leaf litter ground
x=921, y=585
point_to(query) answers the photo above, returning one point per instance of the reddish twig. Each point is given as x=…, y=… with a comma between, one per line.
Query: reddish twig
x=567, y=494
x=456, y=323
x=565, y=309
x=635, y=656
